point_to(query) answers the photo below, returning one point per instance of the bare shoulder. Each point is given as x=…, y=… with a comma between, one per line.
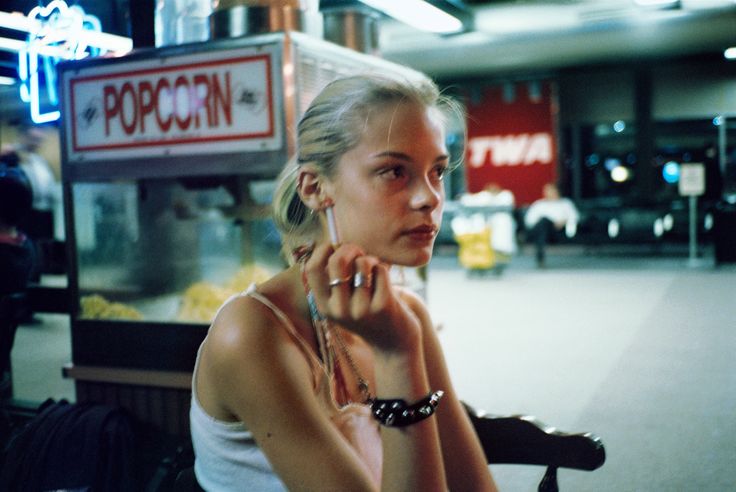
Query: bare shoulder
x=415, y=302
x=409, y=296
x=242, y=325
x=245, y=325
x=244, y=344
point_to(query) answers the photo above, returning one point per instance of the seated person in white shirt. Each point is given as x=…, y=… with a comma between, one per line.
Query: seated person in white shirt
x=547, y=215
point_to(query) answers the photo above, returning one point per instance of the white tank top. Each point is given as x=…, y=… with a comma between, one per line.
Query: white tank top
x=227, y=457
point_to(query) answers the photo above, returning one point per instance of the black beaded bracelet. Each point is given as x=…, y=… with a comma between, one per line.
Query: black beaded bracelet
x=397, y=413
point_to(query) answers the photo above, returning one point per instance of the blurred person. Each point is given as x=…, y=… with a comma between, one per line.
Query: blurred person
x=17, y=257
x=43, y=181
x=16, y=251
x=295, y=384
x=547, y=216
x=491, y=195
x=503, y=226
x=47, y=212
x=499, y=196
x=500, y=221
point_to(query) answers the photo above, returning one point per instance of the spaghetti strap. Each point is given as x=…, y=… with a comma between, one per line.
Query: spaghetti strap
x=314, y=362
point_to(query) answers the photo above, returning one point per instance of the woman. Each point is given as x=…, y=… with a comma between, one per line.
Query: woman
x=292, y=381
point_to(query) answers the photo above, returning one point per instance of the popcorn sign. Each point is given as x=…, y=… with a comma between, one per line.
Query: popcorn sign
x=196, y=102
x=218, y=102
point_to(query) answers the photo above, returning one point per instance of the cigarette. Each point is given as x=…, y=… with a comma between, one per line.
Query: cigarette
x=332, y=226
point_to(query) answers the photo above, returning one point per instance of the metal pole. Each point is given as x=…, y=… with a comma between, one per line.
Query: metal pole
x=693, y=229
x=722, y=144
x=577, y=163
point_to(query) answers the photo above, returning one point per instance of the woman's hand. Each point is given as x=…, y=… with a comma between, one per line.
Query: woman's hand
x=384, y=318
x=372, y=309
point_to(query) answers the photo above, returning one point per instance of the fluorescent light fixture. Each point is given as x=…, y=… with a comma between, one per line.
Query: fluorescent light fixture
x=730, y=53
x=17, y=46
x=15, y=21
x=418, y=14
x=658, y=4
x=7, y=80
x=8, y=44
x=110, y=42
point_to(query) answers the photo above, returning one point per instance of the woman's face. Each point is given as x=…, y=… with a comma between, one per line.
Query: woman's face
x=387, y=190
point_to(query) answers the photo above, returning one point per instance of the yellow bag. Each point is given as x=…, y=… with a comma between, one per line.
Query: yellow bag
x=475, y=249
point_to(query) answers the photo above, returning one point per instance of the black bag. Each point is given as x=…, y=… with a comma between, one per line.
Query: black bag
x=81, y=447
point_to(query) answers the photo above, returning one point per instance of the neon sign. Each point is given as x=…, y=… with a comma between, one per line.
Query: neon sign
x=55, y=32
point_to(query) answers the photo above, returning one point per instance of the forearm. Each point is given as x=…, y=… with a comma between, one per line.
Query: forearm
x=412, y=457
x=465, y=463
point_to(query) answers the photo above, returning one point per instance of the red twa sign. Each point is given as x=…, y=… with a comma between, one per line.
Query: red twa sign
x=512, y=139
x=215, y=102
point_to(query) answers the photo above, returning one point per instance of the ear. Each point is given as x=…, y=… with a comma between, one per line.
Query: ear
x=311, y=188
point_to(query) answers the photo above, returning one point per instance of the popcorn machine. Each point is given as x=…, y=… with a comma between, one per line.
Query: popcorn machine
x=169, y=158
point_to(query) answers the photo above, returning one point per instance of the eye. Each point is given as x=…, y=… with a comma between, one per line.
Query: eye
x=392, y=172
x=439, y=171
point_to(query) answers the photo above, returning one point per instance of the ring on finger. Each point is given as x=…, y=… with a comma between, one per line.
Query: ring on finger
x=360, y=280
x=337, y=281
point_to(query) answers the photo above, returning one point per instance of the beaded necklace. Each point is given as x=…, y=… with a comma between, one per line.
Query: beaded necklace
x=325, y=332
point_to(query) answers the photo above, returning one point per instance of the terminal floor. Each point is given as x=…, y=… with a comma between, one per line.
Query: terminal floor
x=636, y=348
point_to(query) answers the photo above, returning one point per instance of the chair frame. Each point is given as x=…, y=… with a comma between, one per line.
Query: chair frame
x=524, y=440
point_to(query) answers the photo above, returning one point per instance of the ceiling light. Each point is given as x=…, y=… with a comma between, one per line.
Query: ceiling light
x=671, y=172
x=658, y=4
x=619, y=174
x=730, y=53
x=16, y=45
x=419, y=14
x=110, y=42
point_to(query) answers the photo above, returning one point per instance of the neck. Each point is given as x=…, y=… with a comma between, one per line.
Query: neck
x=298, y=298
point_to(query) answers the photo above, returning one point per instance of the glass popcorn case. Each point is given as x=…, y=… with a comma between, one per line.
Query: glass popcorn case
x=170, y=249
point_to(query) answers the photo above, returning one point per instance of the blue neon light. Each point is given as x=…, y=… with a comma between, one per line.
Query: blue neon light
x=671, y=172
x=56, y=17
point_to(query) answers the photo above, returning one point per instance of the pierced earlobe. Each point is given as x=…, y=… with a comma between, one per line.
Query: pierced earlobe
x=309, y=188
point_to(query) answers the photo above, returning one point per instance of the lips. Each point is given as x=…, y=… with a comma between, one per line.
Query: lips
x=425, y=231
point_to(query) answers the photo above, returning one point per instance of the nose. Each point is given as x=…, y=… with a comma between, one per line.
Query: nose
x=426, y=195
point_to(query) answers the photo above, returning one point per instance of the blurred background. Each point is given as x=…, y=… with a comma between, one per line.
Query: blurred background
x=628, y=107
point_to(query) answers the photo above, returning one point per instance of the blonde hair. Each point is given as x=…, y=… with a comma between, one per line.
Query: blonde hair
x=331, y=126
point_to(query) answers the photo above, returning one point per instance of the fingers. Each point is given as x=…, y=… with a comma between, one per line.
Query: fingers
x=315, y=270
x=342, y=280
x=362, y=294
x=354, y=290
x=330, y=271
x=341, y=268
x=381, y=285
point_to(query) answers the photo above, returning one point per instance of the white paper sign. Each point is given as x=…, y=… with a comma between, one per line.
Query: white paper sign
x=692, y=179
x=215, y=102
